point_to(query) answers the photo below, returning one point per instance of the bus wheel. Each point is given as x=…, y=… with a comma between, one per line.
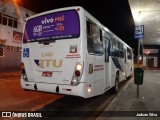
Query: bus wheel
x=116, y=87
x=25, y=89
x=129, y=77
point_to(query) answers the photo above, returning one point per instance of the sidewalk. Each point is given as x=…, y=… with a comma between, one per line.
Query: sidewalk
x=126, y=100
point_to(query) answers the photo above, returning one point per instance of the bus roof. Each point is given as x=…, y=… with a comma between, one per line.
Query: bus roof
x=54, y=10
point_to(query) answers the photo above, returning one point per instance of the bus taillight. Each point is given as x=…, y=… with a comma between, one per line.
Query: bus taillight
x=77, y=73
x=23, y=72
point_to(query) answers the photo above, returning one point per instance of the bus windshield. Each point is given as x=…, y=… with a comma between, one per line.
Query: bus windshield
x=52, y=26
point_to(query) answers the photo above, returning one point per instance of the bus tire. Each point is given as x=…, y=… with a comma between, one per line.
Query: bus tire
x=116, y=87
x=129, y=77
x=25, y=89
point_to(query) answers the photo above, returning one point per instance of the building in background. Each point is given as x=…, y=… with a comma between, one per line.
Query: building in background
x=151, y=56
x=11, y=28
x=147, y=13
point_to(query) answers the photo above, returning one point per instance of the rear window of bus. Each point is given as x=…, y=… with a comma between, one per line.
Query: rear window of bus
x=53, y=26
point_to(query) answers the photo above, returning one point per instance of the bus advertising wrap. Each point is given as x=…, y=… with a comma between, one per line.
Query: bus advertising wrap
x=53, y=26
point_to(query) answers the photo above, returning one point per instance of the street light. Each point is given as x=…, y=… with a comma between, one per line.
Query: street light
x=138, y=17
x=15, y=2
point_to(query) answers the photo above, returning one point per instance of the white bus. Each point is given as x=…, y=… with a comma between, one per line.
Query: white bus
x=68, y=51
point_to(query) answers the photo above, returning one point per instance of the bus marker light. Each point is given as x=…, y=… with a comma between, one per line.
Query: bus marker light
x=78, y=9
x=89, y=88
x=27, y=84
x=65, y=89
x=68, y=89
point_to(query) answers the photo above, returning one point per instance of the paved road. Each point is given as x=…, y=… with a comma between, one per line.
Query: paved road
x=14, y=98
x=76, y=108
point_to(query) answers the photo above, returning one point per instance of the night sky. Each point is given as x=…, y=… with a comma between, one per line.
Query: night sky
x=114, y=14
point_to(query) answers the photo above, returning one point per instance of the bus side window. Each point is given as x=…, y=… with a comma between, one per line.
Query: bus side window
x=125, y=55
x=107, y=49
x=115, y=50
x=129, y=54
x=121, y=52
x=94, y=39
x=88, y=28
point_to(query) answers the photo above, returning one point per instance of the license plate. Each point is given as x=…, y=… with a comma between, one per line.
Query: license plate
x=47, y=74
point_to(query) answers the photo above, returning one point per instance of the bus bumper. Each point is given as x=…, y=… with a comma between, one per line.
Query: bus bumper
x=80, y=90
